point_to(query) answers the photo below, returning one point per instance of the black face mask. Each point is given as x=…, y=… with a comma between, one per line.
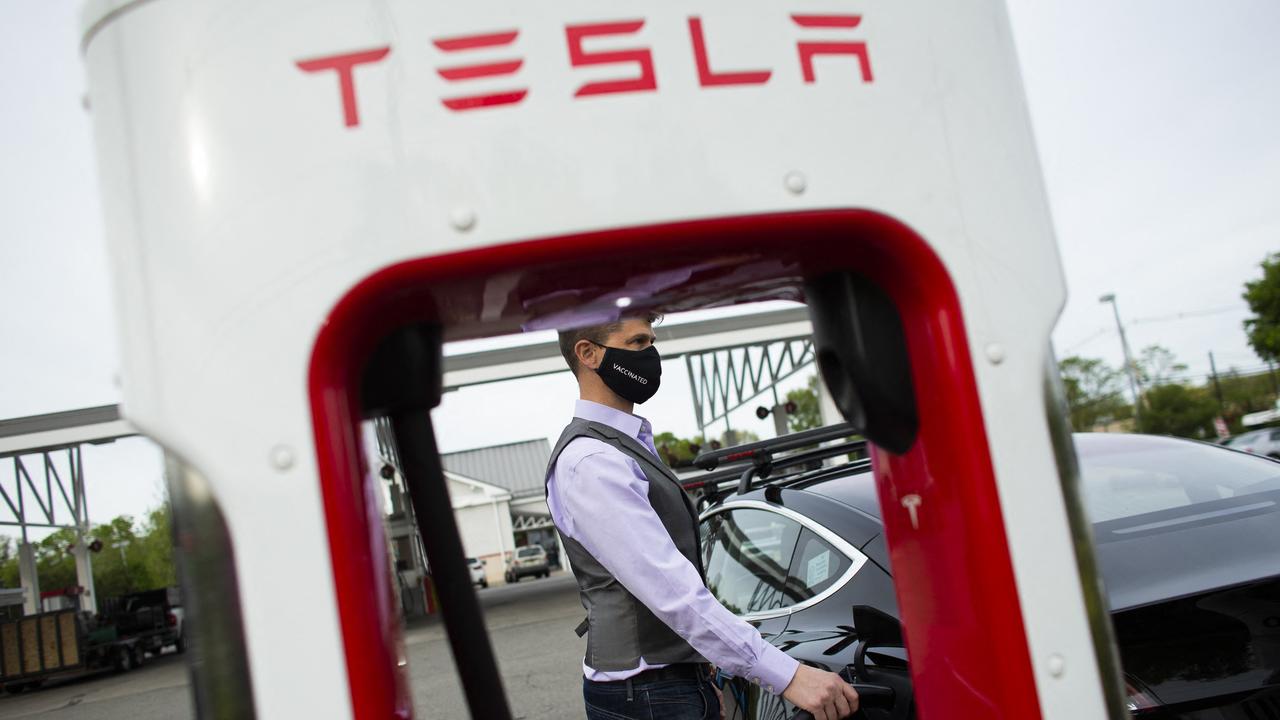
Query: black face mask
x=633, y=374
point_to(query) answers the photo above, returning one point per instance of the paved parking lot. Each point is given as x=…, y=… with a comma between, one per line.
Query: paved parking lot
x=531, y=625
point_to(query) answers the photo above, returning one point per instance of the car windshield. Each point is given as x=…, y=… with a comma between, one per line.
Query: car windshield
x=1126, y=476
x=529, y=552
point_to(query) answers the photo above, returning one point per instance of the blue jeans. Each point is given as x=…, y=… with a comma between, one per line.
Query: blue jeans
x=684, y=699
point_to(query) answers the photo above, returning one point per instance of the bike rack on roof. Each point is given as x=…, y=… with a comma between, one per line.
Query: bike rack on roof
x=758, y=460
x=711, y=459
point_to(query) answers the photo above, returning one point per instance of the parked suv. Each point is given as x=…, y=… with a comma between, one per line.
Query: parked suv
x=1259, y=442
x=531, y=560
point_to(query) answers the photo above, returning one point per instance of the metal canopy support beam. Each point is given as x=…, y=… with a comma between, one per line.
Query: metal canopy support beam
x=28, y=578
x=62, y=430
x=673, y=340
x=46, y=496
x=33, y=504
x=49, y=436
x=725, y=379
x=531, y=522
x=68, y=431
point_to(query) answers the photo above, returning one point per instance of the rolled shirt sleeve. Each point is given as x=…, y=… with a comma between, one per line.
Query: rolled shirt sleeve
x=604, y=497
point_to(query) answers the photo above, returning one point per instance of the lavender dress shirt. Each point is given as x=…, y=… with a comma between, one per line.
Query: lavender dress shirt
x=600, y=497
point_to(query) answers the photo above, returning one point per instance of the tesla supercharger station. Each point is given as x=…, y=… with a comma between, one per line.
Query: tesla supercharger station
x=303, y=199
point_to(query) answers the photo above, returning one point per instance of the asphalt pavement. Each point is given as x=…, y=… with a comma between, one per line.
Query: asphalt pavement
x=530, y=624
x=156, y=690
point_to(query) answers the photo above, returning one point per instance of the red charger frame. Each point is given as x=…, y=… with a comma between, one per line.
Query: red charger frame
x=953, y=576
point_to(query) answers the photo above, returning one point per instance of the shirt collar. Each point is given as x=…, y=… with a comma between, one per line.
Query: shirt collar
x=616, y=419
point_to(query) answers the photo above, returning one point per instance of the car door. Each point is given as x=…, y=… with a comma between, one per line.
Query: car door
x=823, y=630
x=798, y=582
x=747, y=554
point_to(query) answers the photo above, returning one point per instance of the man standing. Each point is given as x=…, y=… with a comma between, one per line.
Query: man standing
x=631, y=534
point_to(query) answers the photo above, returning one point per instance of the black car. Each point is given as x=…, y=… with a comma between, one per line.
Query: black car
x=1187, y=537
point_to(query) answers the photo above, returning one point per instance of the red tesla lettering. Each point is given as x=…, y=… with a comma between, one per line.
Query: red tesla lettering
x=641, y=56
x=708, y=77
x=345, y=65
x=466, y=72
x=489, y=69
x=810, y=49
x=471, y=42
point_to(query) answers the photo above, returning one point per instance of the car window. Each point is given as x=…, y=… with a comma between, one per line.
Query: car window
x=816, y=566
x=746, y=554
x=529, y=552
x=1275, y=435
x=1127, y=479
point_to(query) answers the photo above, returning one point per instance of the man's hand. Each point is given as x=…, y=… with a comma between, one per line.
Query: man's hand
x=825, y=694
x=719, y=695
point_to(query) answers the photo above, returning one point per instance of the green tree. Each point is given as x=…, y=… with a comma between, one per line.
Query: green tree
x=678, y=452
x=1094, y=392
x=132, y=557
x=1157, y=364
x=55, y=565
x=1244, y=394
x=8, y=562
x=155, y=550
x=1170, y=407
x=807, y=414
x=1263, y=296
x=113, y=568
x=1175, y=409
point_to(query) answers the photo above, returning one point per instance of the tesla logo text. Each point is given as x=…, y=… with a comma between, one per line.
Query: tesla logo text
x=345, y=65
x=633, y=65
x=501, y=68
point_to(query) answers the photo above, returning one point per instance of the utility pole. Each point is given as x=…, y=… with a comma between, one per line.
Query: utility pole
x=1130, y=368
x=1217, y=388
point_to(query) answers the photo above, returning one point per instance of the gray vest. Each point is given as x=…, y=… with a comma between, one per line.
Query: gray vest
x=620, y=629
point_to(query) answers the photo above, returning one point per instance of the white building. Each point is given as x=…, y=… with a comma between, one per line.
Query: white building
x=483, y=514
x=519, y=468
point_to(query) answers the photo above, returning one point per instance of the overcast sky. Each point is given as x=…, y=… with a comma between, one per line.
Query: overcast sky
x=1156, y=124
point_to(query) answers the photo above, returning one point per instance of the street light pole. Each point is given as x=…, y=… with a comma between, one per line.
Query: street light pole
x=1130, y=368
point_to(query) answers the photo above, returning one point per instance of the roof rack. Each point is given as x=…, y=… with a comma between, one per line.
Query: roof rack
x=710, y=459
x=757, y=460
x=806, y=476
